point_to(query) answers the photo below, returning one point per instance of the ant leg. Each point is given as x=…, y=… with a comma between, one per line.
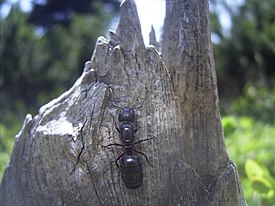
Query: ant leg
x=144, y=156
x=113, y=103
x=113, y=144
x=116, y=126
x=117, y=159
x=82, y=148
x=143, y=140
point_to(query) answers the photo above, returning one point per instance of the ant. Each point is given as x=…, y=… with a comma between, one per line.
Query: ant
x=129, y=162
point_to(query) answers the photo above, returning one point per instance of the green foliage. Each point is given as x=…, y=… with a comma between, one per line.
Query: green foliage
x=36, y=60
x=261, y=181
x=250, y=141
x=7, y=134
x=245, y=54
x=258, y=103
x=10, y=123
x=51, y=12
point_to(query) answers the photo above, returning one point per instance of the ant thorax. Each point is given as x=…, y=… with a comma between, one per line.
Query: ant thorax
x=127, y=132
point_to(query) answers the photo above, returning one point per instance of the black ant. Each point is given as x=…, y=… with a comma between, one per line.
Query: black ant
x=129, y=162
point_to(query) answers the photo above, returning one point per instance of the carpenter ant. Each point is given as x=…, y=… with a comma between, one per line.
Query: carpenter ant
x=129, y=162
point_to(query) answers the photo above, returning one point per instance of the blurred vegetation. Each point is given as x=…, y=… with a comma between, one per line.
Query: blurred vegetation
x=245, y=59
x=250, y=144
x=44, y=51
x=245, y=54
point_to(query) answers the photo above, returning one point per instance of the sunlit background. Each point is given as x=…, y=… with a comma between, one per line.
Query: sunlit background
x=150, y=13
x=44, y=49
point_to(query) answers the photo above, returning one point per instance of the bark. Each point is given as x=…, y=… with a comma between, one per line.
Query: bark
x=58, y=158
x=187, y=52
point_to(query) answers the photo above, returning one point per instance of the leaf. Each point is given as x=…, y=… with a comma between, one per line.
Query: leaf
x=261, y=184
x=253, y=168
x=259, y=176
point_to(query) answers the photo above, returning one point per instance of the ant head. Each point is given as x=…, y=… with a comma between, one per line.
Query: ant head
x=126, y=114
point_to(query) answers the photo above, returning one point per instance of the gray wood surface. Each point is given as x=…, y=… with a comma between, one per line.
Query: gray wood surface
x=187, y=51
x=58, y=158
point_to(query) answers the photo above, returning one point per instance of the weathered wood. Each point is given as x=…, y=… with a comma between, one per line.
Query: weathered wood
x=187, y=52
x=152, y=38
x=43, y=169
x=58, y=158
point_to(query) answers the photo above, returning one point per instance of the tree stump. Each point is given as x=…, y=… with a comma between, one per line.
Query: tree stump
x=59, y=158
x=187, y=52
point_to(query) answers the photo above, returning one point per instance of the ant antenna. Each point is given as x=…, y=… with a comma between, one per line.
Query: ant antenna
x=113, y=103
x=138, y=107
x=116, y=105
